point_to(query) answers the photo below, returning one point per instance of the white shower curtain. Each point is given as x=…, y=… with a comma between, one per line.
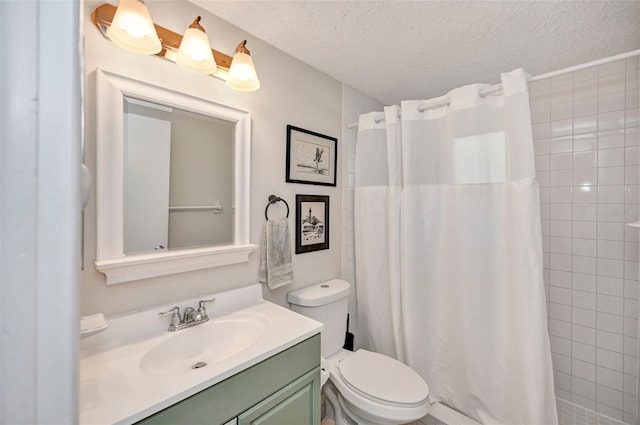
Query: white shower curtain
x=449, y=254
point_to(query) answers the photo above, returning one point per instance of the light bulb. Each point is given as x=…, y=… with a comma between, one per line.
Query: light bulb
x=242, y=73
x=133, y=30
x=195, y=52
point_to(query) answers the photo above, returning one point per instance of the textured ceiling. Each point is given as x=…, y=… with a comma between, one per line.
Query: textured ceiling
x=398, y=50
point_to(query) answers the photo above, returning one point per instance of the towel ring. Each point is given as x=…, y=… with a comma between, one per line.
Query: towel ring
x=272, y=200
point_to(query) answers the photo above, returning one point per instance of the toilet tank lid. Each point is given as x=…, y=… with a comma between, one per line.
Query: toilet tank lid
x=320, y=293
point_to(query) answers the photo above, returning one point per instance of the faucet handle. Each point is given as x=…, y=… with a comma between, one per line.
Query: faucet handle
x=175, y=316
x=201, y=306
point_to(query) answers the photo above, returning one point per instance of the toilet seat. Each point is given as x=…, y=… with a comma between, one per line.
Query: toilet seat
x=383, y=379
x=379, y=403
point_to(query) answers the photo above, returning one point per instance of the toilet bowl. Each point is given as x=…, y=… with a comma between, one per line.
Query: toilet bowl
x=362, y=387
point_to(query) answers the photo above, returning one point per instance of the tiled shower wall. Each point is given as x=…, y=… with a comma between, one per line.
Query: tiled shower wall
x=585, y=130
x=585, y=127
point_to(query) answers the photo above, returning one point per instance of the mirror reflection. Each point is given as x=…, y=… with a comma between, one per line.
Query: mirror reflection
x=178, y=178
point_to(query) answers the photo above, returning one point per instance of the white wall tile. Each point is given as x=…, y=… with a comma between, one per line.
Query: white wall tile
x=585, y=106
x=611, y=102
x=560, y=246
x=586, y=159
x=584, y=247
x=560, y=312
x=579, y=316
x=632, y=136
x=584, y=282
x=585, y=142
x=611, y=305
x=562, y=161
x=610, y=120
x=584, y=300
x=631, y=308
x=611, y=194
x=611, y=231
x=609, y=322
x=561, y=194
x=609, y=378
x=564, y=127
x=612, y=68
x=584, y=335
x=631, y=289
x=586, y=124
x=585, y=74
x=632, y=155
x=560, y=111
x=609, y=396
x=632, y=174
x=611, y=249
x=610, y=286
x=540, y=86
x=584, y=229
x=610, y=341
x=632, y=100
x=560, y=278
x=560, y=178
x=583, y=387
x=585, y=212
x=632, y=194
x=632, y=118
x=563, y=296
x=585, y=194
x=611, y=175
x=584, y=352
x=611, y=83
x=586, y=88
x=561, y=363
x=610, y=268
x=611, y=139
x=583, y=370
x=543, y=146
x=611, y=157
x=585, y=265
x=630, y=365
x=630, y=327
x=610, y=360
x=561, y=211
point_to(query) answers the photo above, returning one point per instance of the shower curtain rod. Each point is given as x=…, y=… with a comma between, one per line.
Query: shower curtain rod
x=497, y=88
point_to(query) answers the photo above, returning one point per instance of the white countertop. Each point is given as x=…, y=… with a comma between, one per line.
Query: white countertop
x=115, y=390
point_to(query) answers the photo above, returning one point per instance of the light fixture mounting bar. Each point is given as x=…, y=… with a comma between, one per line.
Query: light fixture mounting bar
x=103, y=16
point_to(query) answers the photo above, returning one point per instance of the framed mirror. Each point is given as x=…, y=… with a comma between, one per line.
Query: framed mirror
x=172, y=181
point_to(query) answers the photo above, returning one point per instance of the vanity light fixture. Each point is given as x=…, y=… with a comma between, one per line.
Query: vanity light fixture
x=195, y=52
x=242, y=74
x=133, y=30
x=239, y=72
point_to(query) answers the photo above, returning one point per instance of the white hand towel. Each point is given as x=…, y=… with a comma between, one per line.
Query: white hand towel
x=275, y=265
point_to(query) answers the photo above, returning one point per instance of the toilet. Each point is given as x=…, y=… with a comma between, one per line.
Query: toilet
x=362, y=387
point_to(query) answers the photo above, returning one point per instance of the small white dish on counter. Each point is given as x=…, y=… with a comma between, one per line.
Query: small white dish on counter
x=137, y=368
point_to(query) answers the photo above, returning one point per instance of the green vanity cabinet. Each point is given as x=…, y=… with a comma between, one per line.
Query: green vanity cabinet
x=281, y=390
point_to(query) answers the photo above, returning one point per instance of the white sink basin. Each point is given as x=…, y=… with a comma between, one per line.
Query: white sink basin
x=137, y=368
x=199, y=346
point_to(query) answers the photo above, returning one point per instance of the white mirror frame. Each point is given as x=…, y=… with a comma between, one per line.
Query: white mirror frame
x=110, y=258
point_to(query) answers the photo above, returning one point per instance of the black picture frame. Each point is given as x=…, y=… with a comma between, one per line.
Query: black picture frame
x=312, y=157
x=312, y=223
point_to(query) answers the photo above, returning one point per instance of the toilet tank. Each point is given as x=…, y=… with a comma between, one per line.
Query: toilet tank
x=328, y=303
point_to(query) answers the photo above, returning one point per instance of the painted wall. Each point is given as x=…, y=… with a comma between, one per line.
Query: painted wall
x=585, y=130
x=291, y=93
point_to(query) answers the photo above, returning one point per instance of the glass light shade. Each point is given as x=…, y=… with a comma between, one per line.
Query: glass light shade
x=195, y=52
x=133, y=30
x=242, y=73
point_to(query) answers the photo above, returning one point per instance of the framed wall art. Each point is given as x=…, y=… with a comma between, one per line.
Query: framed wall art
x=311, y=157
x=312, y=223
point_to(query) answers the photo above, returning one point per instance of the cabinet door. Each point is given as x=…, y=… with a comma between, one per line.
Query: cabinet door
x=296, y=404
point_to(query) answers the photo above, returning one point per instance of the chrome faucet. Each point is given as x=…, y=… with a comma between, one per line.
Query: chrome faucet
x=191, y=317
